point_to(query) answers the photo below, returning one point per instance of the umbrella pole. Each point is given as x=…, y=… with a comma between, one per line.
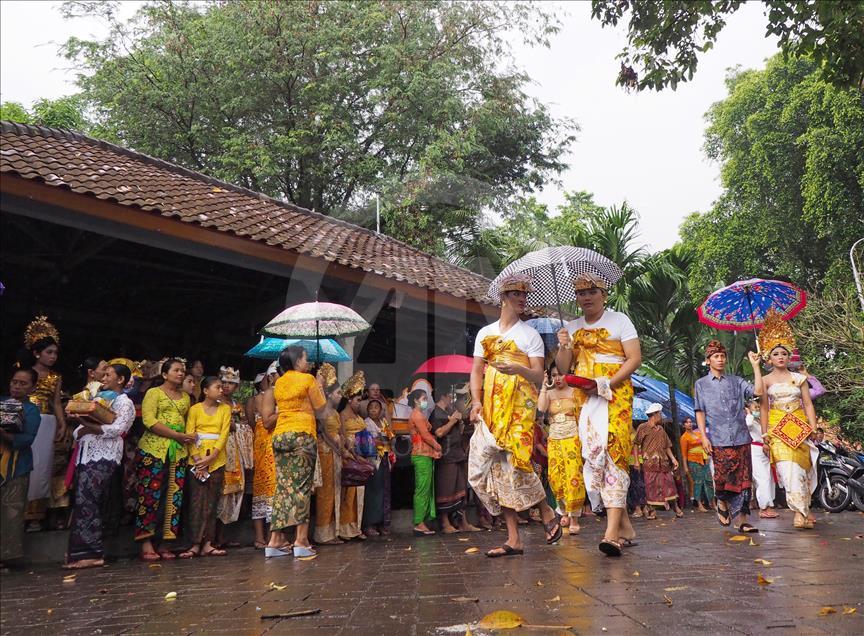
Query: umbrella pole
x=752, y=318
x=317, y=345
x=557, y=295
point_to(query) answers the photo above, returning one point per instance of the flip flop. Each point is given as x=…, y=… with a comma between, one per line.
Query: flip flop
x=188, y=554
x=556, y=536
x=723, y=517
x=167, y=556
x=507, y=551
x=214, y=552
x=302, y=551
x=766, y=514
x=746, y=528
x=610, y=548
x=628, y=543
x=272, y=553
x=150, y=557
x=423, y=533
x=260, y=545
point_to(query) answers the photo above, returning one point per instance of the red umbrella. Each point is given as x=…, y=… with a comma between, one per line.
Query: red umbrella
x=446, y=364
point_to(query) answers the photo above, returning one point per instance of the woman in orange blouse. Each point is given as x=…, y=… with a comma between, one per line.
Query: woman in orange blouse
x=424, y=449
x=298, y=397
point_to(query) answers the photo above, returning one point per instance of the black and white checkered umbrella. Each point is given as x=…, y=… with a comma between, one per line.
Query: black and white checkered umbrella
x=553, y=270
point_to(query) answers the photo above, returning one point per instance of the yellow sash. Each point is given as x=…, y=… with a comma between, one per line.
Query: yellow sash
x=509, y=402
x=587, y=343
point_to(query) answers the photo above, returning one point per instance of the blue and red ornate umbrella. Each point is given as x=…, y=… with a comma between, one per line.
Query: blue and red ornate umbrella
x=744, y=304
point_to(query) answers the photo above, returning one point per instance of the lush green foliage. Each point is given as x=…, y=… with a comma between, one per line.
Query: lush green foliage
x=791, y=150
x=665, y=38
x=325, y=103
x=64, y=112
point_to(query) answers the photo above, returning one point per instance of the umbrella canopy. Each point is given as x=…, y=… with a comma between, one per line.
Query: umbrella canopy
x=639, y=406
x=744, y=304
x=446, y=364
x=658, y=391
x=312, y=320
x=548, y=329
x=323, y=350
x=553, y=270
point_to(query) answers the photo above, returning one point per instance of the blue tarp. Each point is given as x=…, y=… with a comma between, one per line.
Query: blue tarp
x=658, y=391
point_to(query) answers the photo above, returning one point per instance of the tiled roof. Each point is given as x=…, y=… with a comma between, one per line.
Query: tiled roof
x=96, y=168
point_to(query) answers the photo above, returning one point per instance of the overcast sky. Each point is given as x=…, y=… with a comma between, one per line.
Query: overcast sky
x=645, y=148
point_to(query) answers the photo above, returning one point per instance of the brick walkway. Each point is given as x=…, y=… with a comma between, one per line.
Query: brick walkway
x=685, y=576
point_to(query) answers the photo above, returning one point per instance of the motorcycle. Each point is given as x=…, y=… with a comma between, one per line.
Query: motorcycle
x=840, y=477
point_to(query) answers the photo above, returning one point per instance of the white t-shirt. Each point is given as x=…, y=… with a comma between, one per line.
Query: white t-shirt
x=523, y=336
x=619, y=326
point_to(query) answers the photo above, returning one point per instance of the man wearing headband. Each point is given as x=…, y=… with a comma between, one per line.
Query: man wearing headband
x=720, y=400
x=602, y=345
x=508, y=368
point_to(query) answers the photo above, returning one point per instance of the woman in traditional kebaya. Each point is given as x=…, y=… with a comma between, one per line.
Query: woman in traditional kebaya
x=99, y=453
x=264, y=477
x=424, y=449
x=788, y=420
x=331, y=450
x=298, y=399
x=352, y=497
x=376, y=501
x=210, y=422
x=161, y=462
x=47, y=489
x=602, y=345
x=563, y=448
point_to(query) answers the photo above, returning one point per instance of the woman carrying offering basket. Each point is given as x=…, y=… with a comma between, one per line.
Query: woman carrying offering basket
x=99, y=453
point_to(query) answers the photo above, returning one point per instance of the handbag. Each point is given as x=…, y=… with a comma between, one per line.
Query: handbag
x=355, y=472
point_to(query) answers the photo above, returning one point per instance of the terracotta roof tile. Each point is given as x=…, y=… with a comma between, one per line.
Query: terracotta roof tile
x=105, y=171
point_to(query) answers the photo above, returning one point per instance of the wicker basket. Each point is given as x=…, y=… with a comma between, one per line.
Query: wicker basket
x=94, y=410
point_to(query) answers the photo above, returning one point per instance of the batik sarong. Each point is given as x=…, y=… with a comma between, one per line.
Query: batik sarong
x=295, y=455
x=733, y=477
x=636, y=491
x=239, y=458
x=201, y=503
x=160, y=489
x=702, y=484
x=264, y=477
x=328, y=496
x=451, y=484
x=13, y=503
x=565, y=472
x=424, y=488
x=376, y=500
x=659, y=487
x=91, y=491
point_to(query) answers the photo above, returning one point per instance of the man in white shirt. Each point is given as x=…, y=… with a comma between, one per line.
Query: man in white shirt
x=508, y=368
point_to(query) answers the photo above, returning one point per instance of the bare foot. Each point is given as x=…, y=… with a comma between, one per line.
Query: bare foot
x=84, y=563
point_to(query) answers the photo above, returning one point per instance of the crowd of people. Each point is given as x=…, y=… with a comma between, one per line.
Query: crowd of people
x=534, y=435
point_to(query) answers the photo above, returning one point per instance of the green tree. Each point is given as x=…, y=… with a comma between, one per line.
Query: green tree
x=14, y=111
x=666, y=38
x=325, y=103
x=791, y=150
x=63, y=112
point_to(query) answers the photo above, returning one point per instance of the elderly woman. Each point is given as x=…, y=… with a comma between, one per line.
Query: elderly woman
x=424, y=449
x=100, y=451
x=298, y=397
x=376, y=505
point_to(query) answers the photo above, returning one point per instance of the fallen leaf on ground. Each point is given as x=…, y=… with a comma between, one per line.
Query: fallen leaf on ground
x=761, y=580
x=50, y=611
x=465, y=599
x=667, y=600
x=847, y=538
x=752, y=542
x=155, y=566
x=636, y=573
x=465, y=539
x=307, y=558
x=675, y=589
x=762, y=561
x=849, y=610
x=408, y=549
x=539, y=583
x=273, y=586
x=501, y=619
x=554, y=599
x=827, y=610
x=472, y=550
x=69, y=578
x=739, y=537
x=170, y=596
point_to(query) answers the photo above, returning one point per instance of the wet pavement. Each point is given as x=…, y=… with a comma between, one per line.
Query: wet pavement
x=684, y=576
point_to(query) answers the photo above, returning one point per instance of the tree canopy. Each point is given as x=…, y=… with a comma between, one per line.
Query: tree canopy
x=666, y=38
x=791, y=151
x=325, y=103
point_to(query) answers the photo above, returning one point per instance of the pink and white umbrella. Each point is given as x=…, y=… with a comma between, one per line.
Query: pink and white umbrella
x=315, y=320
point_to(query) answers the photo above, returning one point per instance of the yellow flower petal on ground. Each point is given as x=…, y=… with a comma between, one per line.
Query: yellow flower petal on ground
x=501, y=619
x=761, y=580
x=827, y=610
x=762, y=561
x=849, y=610
x=170, y=596
x=739, y=537
x=472, y=550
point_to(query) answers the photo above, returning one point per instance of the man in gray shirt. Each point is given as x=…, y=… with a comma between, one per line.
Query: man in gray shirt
x=720, y=402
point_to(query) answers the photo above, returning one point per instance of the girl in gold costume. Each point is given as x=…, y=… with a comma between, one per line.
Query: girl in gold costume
x=51, y=447
x=330, y=454
x=788, y=420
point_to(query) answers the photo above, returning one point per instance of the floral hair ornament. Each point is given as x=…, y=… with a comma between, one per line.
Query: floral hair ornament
x=40, y=328
x=355, y=385
x=587, y=281
x=516, y=282
x=715, y=346
x=130, y=364
x=229, y=375
x=327, y=375
x=775, y=332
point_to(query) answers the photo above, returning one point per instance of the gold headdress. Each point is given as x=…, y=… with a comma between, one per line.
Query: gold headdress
x=589, y=281
x=228, y=374
x=516, y=282
x=775, y=332
x=326, y=375
x=38, y=329
x=355, y=385
x=131, y=364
